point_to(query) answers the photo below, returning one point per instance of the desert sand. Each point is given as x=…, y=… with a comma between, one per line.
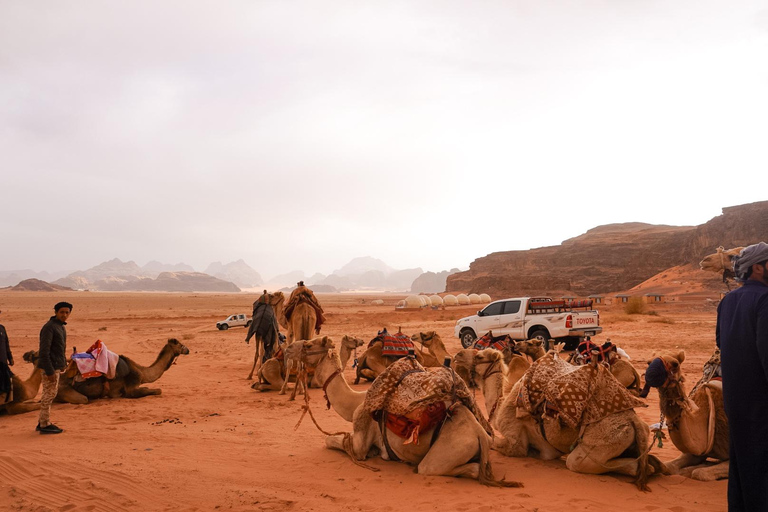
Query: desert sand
x=209, y=442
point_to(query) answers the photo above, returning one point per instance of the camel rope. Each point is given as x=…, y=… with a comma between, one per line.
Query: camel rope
x=347, y=437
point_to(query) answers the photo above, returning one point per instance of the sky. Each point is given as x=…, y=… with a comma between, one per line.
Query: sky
x=298, y=135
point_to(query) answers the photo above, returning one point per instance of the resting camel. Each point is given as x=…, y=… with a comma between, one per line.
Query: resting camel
x=127, y=382
x=372, y=362
x=622, y=369
x=489, y=372
x=696, y=423
x=25, y=390
x=329, y=372
x=616, y=442
x=462, y=447
x=436, y=354
x=267, y=310
x=272, y=372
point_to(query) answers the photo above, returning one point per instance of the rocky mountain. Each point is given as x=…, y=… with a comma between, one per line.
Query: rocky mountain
x=153, y=268
x=358, y=266
x=112, y=268
x=432, y=282
x=13, y=277
x=610, y=258
x=238, y=272
x=165, y=282
x=36, y=285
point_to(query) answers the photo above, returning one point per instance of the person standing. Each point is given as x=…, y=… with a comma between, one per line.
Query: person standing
x=741, y=334
x=6, y=361
x=53, y=348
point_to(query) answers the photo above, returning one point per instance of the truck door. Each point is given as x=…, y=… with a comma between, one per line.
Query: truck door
x=490, y=319
x=511, y=320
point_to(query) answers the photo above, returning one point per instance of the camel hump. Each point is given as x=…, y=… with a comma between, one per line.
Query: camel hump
x=123, y=368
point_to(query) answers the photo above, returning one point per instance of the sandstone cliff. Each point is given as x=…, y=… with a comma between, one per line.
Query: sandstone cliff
x=610, y=258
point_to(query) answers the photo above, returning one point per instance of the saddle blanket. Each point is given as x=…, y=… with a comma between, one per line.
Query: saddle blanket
x=578, y=395
x=96, y=361
x=406, y=386
x=491, y=341
x=396, y=345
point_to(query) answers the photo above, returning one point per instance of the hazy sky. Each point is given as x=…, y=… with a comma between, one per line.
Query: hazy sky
x=299, y=135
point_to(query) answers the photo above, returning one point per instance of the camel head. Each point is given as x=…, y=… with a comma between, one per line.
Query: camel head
x=31, y=357
x=488, y=356
x=313, y=351
x=351, y=342
x=529, y=347
x=176, y=349
x=672, y=363
x=428, y=339
x=720, y=260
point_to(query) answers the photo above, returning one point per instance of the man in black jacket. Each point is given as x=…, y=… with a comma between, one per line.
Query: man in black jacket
x=53, y=359
x=6, y=360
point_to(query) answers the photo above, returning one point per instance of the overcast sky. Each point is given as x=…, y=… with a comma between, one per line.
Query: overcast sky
x=299, y=135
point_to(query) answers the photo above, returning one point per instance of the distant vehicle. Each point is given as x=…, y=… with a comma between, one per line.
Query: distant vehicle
x=237, y=320
x=528, y=317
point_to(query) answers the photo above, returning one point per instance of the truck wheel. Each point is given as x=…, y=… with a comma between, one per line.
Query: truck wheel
x=224, y=327
x=544, y=334
x=467, y=337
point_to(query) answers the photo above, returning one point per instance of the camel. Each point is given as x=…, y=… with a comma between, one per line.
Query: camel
x=272, y=372
x=25, y=390
x=461, y=448
x=302, y=315
x=489, y=372
x=622, y=369
x=615, y=442
x=268, y=310
x=697, y=423
x=533, y=348
x=127, y=382
x=437, y=353
x=329, y=370
x=720, y=261
x=372, y=362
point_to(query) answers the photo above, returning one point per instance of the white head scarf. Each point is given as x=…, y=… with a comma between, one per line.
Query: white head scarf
x=747, y=257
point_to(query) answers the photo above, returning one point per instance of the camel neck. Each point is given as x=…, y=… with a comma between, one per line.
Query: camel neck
x=671, y=403
x=493, y=388
x=158, y=368
x=343, y=399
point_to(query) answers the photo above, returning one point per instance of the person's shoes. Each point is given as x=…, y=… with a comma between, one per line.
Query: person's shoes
x=50, y=429
x=37, y=428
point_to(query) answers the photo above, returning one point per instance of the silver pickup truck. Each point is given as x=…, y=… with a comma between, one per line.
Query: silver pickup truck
x=527, y=317
x=237, y=320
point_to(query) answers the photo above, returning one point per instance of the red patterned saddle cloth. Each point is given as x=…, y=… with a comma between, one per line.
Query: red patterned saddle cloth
x=490, y=341
x=395, y=345
x=421, y=419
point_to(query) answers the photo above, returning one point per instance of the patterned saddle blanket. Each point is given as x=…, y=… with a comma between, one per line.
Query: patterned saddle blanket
x=578, y=395
x=409, y=390
x=396, y=345
x=490, y=341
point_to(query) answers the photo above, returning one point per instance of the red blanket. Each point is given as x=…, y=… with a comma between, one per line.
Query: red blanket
x=396, y=345
x=419, y=420
x=490, y=341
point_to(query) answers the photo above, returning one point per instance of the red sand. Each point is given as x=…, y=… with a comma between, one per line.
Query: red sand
x=210, y=442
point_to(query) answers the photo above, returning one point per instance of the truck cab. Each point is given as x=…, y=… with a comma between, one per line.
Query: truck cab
x=236, y=320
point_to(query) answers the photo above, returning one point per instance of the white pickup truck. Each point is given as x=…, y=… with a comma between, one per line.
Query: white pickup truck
x=238, y=320
x=527, y=317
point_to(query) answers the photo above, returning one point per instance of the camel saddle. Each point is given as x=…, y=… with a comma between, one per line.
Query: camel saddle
x=488, y=340
x=588, y=349
x=408, y=397
x=394, y=345
x=577, y=395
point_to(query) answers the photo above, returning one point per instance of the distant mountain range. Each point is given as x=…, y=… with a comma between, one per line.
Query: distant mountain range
x=116, y=275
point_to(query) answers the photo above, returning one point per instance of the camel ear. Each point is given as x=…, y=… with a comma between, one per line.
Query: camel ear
x=538, y=342
x=325, y=341
x=680, y=356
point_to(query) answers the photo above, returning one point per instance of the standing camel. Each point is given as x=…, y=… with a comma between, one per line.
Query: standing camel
x=25, y=390
x=302, y=315
x=266, y=312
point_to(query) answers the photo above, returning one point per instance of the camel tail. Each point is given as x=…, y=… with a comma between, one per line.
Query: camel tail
x=641, y=440
x=485, y=475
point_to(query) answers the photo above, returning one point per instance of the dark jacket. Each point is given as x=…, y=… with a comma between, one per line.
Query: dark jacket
x=742, y=335
x=5, y=347
x=53, y=346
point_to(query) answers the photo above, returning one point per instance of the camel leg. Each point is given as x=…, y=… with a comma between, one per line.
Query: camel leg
x=68, y=395
x=288, y=368
x=454, y=448
x=365, y=437
x=683, y=461
x=142, y=392
x=709, y=473
x=257, y=358
x=21, y=408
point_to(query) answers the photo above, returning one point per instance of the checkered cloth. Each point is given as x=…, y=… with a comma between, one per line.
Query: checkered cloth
x=490, y=341
x=580, y=395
